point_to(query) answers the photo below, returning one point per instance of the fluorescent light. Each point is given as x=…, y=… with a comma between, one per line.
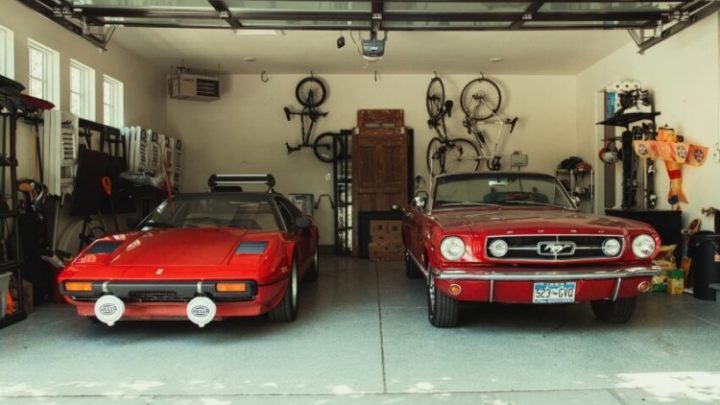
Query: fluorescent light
x=258, y=32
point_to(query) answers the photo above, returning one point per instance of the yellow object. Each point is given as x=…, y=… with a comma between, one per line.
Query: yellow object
x=76, y=286
x=676, y=282
x=231, y=287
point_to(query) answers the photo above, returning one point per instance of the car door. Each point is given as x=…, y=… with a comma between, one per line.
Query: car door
x=289, y=214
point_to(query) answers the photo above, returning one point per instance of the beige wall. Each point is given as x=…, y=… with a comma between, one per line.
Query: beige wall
x=246, y=131
x=682, y=74
x=144, y=83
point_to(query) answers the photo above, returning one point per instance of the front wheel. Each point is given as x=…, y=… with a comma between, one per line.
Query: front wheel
x=328, y=147
x=314, y=271
x=435, y=155
x=618, y=311
x=442, y=310
x=411, y=268
x=286, y=311
x=461, y=156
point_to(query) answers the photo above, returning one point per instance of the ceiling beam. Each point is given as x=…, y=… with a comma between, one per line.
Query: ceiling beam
x=529, y=14
x=222, y=8
x=49, y=11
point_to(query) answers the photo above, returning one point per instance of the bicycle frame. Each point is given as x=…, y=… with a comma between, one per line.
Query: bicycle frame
x=308, y=120
x=490, y=153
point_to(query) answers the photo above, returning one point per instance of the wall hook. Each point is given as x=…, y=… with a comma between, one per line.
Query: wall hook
x=376, y=76
x=263, y=77
x=435, y=73
x=482, y=75
x=312, y=74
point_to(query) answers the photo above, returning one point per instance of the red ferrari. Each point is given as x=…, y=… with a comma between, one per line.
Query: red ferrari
x=518, y=238
x=202, y=257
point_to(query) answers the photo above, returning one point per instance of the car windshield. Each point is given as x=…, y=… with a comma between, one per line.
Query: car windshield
x=236, y=210
x=509, y=189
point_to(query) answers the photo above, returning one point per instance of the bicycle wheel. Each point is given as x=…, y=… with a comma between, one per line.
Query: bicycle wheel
x=435, y=98
x=327, y=147
x=310, y=92
x=434, y=156
x=461, y=156
x=480, y=99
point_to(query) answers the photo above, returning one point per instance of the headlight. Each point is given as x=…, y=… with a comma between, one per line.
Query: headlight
x=452, y=248
x=611, y=247
x=643, y=246
x=498, y=248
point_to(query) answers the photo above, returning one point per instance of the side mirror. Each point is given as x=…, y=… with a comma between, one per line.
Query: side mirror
x=419, y=202
x=303, y=222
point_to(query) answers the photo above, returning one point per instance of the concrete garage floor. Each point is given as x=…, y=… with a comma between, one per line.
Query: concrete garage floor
x=362, y=338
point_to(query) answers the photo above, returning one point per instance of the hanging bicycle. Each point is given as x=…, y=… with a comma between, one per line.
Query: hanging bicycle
x=480, y=100
x=445, y=154
x=311, y=93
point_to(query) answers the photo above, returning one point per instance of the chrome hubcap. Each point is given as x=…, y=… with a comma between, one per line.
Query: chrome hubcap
x=431, y=292
x=293, y=286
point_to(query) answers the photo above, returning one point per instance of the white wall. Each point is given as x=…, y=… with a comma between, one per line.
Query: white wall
x=683, y=75
x=144, y=83
x=246, y=131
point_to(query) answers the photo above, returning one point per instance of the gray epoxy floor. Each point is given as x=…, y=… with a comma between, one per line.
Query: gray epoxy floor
x=362, y=337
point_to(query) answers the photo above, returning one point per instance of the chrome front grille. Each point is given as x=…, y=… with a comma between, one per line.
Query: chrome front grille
x=554, y=247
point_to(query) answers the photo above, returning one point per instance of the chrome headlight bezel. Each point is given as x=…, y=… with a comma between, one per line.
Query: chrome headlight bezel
x=611, y=247
x=498, y=248
x=452, y=248
x=643, y=246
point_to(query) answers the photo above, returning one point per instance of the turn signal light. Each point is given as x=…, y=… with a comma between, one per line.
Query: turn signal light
x=644, y=287
x=231, y=287
x=454, y=289
x=85, y=286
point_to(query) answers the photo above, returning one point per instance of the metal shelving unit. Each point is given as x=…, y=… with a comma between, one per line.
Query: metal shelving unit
x=11, y=109
x=342, y=195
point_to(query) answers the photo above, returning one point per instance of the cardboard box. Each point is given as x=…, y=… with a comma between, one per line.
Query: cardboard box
x=385, y=251
x=378, y=229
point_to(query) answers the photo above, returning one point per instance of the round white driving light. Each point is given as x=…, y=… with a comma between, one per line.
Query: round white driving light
x=498, y=248
x=643, y=246
x=611, y=247
x=452, y=248
x=109, y=309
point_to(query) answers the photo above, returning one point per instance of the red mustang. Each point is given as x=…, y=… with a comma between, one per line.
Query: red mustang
x=200, y=257
x=518, y=238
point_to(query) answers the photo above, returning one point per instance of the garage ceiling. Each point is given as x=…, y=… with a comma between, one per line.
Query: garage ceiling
x=447, y=36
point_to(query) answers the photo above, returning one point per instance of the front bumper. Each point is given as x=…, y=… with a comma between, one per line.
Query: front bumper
x=152, y=291
x=515, y=285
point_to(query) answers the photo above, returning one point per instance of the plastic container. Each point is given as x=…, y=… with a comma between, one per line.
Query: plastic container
x=675, y=282
x=4, y=288
x=704, y=250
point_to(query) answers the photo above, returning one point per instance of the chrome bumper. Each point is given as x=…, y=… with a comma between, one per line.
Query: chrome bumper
x=547, y=274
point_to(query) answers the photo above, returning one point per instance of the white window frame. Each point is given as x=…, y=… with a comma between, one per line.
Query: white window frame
x=7, y=52
x=51, y=72
x=85, y=90
x=113, y=103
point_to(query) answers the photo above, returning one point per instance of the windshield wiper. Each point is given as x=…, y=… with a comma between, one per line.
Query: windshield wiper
x=543, y=204
x=470, y=203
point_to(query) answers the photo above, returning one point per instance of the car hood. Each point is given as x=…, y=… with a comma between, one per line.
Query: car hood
x=179, y=247
x=496, y=221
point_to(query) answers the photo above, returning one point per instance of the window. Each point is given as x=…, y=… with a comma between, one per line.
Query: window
x=82, y=90
x=113, y=113
x=44, y=72
x=7, y=53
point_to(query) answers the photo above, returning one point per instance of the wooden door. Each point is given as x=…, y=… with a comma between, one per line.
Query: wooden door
x=379, y=164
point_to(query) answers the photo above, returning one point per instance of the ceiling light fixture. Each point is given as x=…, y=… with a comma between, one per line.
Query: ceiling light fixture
x=258, y=32
x=496, y=59
x=249, y=59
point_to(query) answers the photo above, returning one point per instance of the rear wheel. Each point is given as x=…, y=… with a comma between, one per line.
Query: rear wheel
x=442, y=310
x=461, y=156
x=310, y=92
x=618, y=311
x=314, y=271
x=435, y=98
x=480, y=99
x=286, y=311
x=411, y=268
x=435, y=155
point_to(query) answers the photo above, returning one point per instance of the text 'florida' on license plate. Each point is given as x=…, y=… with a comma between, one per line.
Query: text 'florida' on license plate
x=553, y=293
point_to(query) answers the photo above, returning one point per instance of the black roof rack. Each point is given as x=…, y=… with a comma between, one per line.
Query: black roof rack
x=233, y=182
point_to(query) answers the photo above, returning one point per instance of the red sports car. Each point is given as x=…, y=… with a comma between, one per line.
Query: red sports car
x=518, y=238
x=200, y=257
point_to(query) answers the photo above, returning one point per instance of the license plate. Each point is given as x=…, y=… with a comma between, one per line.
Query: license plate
x=553, y=293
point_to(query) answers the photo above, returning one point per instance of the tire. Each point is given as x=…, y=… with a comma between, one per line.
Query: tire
x=411, y=268
x=435, y=99
x=480, y=99
x=327, y=147
x=310, y=92
x=442, y=310
x=619, y=311
x=461, y=156
x=311, y=275
x=434, y=157
x=286, y=310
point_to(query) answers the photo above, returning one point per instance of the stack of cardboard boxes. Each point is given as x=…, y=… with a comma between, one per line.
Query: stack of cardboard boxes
x=386, y=243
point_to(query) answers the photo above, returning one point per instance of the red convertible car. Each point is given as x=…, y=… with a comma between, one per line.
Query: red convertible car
x=200, y=257
x=518, y=238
